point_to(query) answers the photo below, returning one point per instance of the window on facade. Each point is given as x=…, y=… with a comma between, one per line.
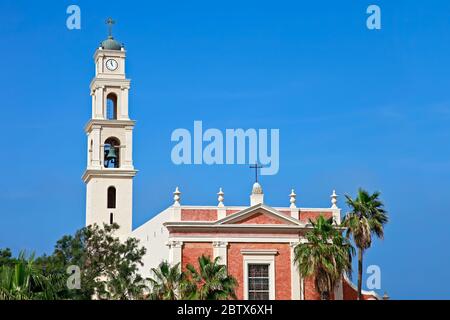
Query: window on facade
x=111, y=198
x=258, y=282
x=91, y=148
x=111, y=106
x=111, y=218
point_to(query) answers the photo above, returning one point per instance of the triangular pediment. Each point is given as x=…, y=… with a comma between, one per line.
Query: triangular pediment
x=259, y=214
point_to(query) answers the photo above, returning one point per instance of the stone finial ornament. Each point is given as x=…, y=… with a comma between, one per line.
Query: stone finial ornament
x=176, y=197
x=257, y=189
x=257, y=196
x=334, y=197
x=293, y=199
x=220, y=198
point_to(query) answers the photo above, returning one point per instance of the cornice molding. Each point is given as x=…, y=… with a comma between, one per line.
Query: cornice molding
x=193, y=227
x=108, y=173
x=237, y=216
x=259, y=252
x=108, y=123
x=99, y=82
x=109, y=53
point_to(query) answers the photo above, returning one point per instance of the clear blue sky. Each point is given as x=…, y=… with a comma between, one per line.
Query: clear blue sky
x=354, y=108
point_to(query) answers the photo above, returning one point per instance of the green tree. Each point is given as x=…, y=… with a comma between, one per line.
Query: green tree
x=211, y=280
x=367, y=217
x=326, y=255
x=6, y=257
x=109, y=266
x=169, y=283
x=25, y=281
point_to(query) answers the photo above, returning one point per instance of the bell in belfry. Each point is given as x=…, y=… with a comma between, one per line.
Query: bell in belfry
x=111, y=156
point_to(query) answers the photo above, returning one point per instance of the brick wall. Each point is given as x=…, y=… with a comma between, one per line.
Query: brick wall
x=229, y=212
x=282, y=267
x=311, y=292
x=192, y=250
x=286, y=213
x=261, y=218
x=198, y=215
x=313, y=215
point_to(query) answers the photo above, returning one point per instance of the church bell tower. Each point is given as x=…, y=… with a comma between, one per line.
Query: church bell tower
x=109, y=173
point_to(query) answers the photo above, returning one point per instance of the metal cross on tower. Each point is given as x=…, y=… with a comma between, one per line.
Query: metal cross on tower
x=110, y=22
x=256, y=166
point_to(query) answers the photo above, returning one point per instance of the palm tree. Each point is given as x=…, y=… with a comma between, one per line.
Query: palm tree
x=212, y=280
x=131, y=287
x=25, y=281
x=169, y=283
x=326, y=255
x=366, y=218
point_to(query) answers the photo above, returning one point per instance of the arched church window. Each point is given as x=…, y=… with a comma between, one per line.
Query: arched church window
x=111, y=218
x=112, y=153
x=111, y=198
x=111, y=106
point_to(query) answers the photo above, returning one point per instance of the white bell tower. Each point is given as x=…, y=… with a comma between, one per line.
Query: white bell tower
x=110, y=171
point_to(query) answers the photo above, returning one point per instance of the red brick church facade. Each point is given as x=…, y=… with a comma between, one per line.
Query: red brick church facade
x=256, y=243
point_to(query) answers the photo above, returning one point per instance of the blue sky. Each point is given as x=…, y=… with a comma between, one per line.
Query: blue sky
x=354, y=108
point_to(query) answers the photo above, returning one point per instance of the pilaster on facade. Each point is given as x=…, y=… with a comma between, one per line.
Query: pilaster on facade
x=221, y=213
x=175, y=251
x=98, y=106
x=128, y=150
x=94, y=159
x=220, y=249
x=124, y=102
x=337, y=215
x=176, y=213
x=295, y=213
x=296, y=281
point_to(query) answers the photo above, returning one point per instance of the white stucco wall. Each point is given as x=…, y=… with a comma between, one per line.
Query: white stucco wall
x=154, y=236
x=96, y=202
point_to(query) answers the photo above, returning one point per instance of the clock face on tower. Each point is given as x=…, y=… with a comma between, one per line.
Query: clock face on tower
x=111, y=64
